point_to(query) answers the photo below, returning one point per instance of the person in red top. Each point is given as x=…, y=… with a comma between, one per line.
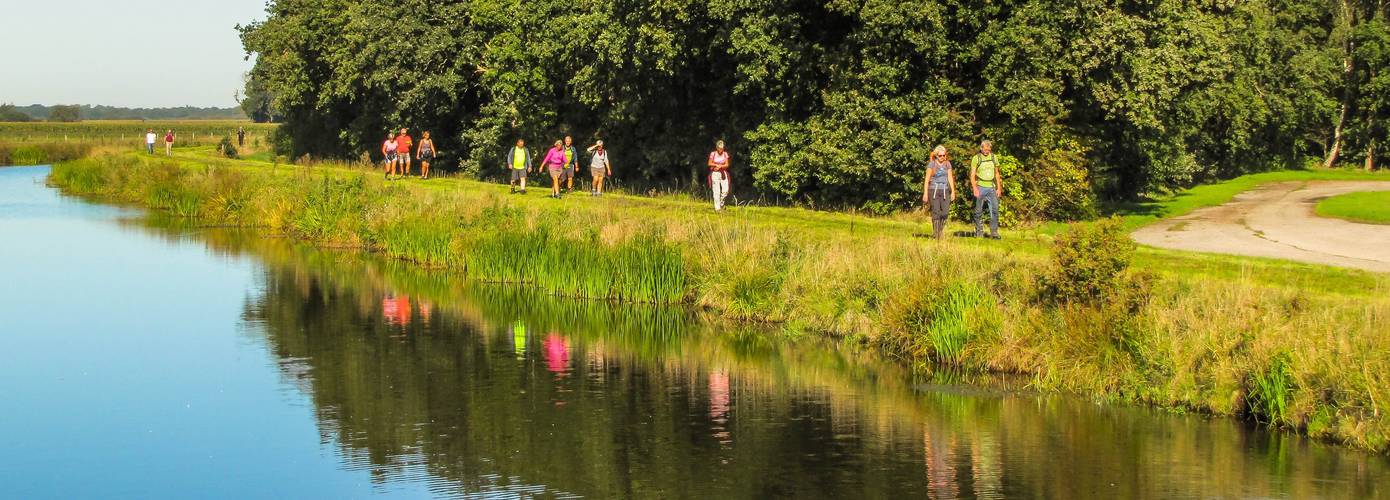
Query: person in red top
x=403, y=145
x=719, y=174
x=169, y=143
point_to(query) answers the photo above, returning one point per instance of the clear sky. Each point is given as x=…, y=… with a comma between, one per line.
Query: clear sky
x=133, y=53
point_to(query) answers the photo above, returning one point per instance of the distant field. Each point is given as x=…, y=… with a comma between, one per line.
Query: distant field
x=132, y=132
x=1369, y=207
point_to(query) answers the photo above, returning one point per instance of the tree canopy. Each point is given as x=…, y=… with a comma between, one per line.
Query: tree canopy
x=836, y=102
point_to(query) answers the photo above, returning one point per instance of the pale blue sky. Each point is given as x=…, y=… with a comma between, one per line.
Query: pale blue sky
x=135, y=53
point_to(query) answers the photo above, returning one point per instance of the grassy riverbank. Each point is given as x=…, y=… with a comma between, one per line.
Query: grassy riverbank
x=1371, y=207
x=1296, y=345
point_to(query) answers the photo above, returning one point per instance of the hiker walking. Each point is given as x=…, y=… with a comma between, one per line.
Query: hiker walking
x=518, y=162
x=987, y=185
x=426, y=154
x=571, y=164
x=599, y=167
x=403, y=145
x=149, y=140
x=169, y=143
x=388, y=154
x=240, y=137
x=719, y=174
x=939, y=190
x=555, y=162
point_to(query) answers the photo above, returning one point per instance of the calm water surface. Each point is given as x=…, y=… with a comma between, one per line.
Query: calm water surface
x=138, y=359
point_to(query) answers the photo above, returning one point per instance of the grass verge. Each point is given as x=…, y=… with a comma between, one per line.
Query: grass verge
x=1226, y=336
x=1371, y=207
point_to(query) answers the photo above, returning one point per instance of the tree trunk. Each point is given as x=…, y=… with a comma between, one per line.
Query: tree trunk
x=1347, y=47
x=1337, y=133
x=1371, y=153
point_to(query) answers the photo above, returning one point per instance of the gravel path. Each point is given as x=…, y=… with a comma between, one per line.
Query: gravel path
x=1277, y=221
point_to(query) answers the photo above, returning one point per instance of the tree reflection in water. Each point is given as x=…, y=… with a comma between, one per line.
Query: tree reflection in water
x=662, y=406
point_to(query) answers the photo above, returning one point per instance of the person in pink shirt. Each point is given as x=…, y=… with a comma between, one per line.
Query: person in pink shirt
x=719, y=174
x=555, y=162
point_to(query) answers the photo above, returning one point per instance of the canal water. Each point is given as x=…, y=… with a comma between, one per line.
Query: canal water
x=139, y=358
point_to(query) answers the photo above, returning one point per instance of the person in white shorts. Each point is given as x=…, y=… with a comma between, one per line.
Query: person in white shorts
x=719, y=174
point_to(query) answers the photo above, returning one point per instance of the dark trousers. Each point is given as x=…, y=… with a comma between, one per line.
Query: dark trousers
x=939, y=200
x=988, y=196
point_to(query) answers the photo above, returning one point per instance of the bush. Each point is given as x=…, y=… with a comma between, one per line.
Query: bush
x=1089, y=264
x=282, y=142
x=1058, y=184
x=227, y=147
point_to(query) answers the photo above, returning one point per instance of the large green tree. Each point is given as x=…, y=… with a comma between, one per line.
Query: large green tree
x=836, y=102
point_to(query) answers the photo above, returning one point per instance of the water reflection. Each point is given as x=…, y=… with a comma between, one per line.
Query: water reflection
x=419, y=376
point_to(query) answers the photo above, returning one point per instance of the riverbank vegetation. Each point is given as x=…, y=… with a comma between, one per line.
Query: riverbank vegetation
x=1293, y=345
x=1370, y=207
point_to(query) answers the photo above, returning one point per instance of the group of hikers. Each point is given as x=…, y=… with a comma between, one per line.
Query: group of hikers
x=986, y=183
x=562, y=161
x=397, y=149
x=150, y=137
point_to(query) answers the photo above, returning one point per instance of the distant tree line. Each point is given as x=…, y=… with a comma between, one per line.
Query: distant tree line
x=8, y=113
x=75, y=112
x=837, y=102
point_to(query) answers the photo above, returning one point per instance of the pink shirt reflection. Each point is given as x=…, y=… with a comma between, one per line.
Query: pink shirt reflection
x=557, y=355
x=718, y=396
x=396, y=310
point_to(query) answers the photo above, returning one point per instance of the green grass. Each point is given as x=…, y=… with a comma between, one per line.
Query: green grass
x=1200, y=333
x=1371, y=207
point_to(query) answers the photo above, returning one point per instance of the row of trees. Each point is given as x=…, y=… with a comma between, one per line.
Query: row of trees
x=838, y=102
x=75, y=112
x=61, y=113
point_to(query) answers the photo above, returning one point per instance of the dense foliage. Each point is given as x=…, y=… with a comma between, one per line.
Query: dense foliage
x=837, y=102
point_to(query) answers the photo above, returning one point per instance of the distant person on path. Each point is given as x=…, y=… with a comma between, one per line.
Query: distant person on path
x=388, y=154
x=571, y=164
x=555, y=162
x=426, y=154
x=939, y=190
x=719, y=174
x=599, y=167
x=149, y=140
x=518, y=162
x=987, y=185
x=403, y=145
x=240, y=137
x=169, y=143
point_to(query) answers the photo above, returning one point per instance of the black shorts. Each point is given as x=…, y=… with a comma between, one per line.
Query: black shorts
x=427, y=155
x=391, y=156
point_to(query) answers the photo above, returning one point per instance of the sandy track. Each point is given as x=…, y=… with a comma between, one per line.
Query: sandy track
x=1277, y=221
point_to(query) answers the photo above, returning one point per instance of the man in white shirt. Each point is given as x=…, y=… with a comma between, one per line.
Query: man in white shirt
x=149, y=140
